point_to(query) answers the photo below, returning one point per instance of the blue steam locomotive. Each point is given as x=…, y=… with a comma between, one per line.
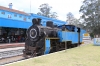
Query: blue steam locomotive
x=52, y=38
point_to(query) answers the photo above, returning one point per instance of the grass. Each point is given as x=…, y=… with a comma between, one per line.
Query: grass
x=87, y=55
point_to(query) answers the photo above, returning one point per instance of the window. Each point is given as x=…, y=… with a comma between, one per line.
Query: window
x=54, y=23
x=24, y=19
x=28, y=17
x=20, y=16
x=2, y=12
x=43, y=21
x=15, y=15
x=9, y=16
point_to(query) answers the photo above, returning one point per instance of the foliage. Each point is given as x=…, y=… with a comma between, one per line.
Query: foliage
x=72, y=20
x=91, y=15
x=45, y=10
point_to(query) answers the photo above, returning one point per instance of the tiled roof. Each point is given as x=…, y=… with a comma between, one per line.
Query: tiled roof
x=13, y=10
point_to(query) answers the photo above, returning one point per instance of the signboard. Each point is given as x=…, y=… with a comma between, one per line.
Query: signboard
x=86, y=34
x=86, y=37
x=97, y=41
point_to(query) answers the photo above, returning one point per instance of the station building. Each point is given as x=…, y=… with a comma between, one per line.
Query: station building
x=14, y=23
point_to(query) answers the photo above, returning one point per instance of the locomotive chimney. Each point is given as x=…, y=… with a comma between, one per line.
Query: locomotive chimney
x=10, y=5
x=39, y=21
x=36, y=21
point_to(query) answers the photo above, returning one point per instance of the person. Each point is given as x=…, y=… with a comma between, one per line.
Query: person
x=2, y=39
x=19, y=38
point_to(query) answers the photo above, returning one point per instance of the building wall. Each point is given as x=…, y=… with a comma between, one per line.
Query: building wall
x=14, y=16
x=4, y=22
x=12, y=19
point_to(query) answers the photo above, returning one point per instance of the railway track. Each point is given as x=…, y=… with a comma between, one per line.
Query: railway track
x=11, y=52
x=12, y=59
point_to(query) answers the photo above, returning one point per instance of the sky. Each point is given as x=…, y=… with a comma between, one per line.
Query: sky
x=61, y=7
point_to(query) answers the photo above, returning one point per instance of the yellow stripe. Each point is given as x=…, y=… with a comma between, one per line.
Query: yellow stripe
x=51, y=38
x=65, y=41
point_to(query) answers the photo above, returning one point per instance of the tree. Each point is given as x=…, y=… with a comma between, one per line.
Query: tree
x=45, y=10
x=72, y=20
x=91, y=14
x=53, y=15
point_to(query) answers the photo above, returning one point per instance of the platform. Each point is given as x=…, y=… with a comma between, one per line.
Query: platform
x=11, y=45
x=11, y=49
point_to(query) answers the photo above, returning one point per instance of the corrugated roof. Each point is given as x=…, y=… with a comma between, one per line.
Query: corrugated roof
x=13, y=10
